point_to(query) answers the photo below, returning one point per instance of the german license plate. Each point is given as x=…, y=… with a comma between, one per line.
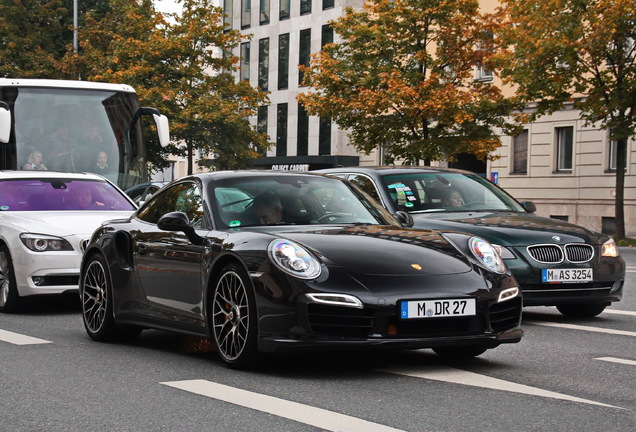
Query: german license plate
x=437, y=308
x=566, y=275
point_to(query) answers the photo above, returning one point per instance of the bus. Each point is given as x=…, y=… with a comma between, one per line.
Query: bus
x=75, y=126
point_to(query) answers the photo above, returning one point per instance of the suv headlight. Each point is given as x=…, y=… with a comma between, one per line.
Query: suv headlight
x=45, y=243
x=609, y=249
x=487, y=255
x=293, y=259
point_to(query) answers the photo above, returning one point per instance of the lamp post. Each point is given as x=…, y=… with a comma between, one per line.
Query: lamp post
x=75, y=24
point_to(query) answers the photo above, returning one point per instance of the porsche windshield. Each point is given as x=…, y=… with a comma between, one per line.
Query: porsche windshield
x=446, y=192
x=293, y=200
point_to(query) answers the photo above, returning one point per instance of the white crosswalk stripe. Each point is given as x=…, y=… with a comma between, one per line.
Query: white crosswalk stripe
x=582, y=328
x=617, y=360
x=320, y=418
x=20, y=339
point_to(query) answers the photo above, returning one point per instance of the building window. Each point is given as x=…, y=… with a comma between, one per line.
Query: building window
x=261, y=124
x=520, y=153
x=281, y=130
x=304, y=52
x=326, y=36
x=327, y=4
x=482, y=72
x=264, y=12
x=245, y=61
x=283, y=61
x=303, y=132
x=565, y=146
x=305, y=7
x=324, y=137
x=263, y=64
x=227, y=10
x=613, y=146
x=246, y=13
x=284, y=9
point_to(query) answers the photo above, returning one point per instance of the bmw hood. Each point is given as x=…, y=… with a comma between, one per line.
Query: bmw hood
x=65, y=223
x=384, y=250
x=509, y=228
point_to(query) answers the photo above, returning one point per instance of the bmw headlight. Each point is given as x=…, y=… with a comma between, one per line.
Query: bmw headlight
x=503, y=251
x=293, y=259
x=487, y=255
x=609, y=248
x=45, y=243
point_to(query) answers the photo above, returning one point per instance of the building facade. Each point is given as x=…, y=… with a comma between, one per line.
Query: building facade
x=564, y=166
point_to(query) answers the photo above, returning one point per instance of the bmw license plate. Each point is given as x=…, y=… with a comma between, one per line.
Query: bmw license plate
x=566, y=275
x=437, y=308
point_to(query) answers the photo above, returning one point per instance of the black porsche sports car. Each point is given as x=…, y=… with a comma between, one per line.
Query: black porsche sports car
x=264, y=262
x=556, y=263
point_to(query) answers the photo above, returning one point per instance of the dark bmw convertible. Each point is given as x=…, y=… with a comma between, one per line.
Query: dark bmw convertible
x=264, y=262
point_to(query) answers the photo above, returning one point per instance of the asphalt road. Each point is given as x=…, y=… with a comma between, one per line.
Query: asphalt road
x=565, y=375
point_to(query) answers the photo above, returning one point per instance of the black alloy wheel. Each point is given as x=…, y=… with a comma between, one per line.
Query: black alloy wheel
x=9, y=298
x=233, y=317
x=97, y=304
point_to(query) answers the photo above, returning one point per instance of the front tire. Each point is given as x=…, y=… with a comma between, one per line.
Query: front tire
x=10, y=300
x=233, y=317
x=583, y=310
x=97, y=304
x=459, y=352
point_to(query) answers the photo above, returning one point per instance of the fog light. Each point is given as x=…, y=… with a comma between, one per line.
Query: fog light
x=38, y=280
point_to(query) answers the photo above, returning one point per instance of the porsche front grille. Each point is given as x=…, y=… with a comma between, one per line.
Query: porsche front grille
x=505, y=315
x=339, y=321
x=553, y=254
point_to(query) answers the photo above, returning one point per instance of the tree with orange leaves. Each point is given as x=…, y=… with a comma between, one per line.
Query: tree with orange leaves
x=581, y=52
x=402, y=77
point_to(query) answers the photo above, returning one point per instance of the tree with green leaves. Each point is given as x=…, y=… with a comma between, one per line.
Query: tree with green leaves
x=33, y=38
x=580, y=52
x=403, y=78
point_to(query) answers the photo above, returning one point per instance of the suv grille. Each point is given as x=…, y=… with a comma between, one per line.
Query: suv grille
x=546, y=253
x=579, y=253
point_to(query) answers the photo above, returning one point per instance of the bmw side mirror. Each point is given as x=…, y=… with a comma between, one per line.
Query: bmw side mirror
x=404, y=218
x=529, y=206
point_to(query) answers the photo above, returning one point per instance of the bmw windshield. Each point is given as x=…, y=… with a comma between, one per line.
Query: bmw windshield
x=447, y=192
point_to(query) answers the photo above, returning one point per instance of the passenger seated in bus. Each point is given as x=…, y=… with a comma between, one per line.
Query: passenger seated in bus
x=101, y=167
x=34, y=162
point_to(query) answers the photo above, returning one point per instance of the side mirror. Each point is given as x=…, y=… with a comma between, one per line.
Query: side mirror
x=5, y=122
x=178, y=221
x=529, y=206
x=404, y=218
x=161, y=121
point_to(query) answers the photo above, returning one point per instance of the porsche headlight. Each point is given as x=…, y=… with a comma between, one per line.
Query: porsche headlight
x=293, y=259
x=45, y=243
x=487, y=255
x=609, y=249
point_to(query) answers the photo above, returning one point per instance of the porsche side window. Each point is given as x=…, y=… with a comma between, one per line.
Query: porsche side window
x=172, y=199
x=189, y=202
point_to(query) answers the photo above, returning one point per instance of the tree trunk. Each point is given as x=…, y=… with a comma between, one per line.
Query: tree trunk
x=619, y=207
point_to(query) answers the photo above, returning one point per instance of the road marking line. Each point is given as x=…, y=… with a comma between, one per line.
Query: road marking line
x=320, y=418
x=458, y=376
x=584, y=328
x=20, y=339
x=617, y=360
x=619, y=312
